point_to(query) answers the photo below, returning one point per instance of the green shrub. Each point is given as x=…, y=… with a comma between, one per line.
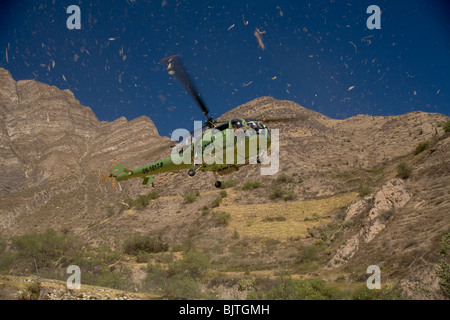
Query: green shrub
x=153, y=195
x=276, y=193
x=444, y=265
x=309, y=253
x=251, y=185
x=289, y=195
x=404, y=170
x=279, y=193
x=191, y=197
x=172, y=285
x=387, y=292
x=282, y=178
x=182, y=287
x=422, y=146
x=129, y=202
x=116, y=280
x=138, y=244
x=205, y=210
x=444, y=274
x=193, y=264
x=222, y=218
x=216, y=202
x=46, y=250
x=31, y=292
x=6, y=258
x=228, y=184
x=446, y=126
x=142, y=201
x=296, y=289
x=364, y=191
x=50, y=253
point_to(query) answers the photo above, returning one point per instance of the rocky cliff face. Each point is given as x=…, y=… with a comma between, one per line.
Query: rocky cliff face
x=53, y=150
x=52, y=146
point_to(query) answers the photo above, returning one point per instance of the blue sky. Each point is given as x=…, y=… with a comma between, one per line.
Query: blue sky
x=319, y=54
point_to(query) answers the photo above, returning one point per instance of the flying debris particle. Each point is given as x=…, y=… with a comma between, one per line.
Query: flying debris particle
x=287, y=87
x=281, y=12
x=53, y=63
x=258, y=34
x=120, y=77
x=367, y=39
x=64, y=78
x=273, y=78
x=245, y=22
x=311, y=56
x=415, y=92
x=438, y=91
x=351, y=88
x=247, y=84
x=356, y=51
x=162, y=98
x=164, y=3
x=75, y=57
x=112, y=39
x=231, y=27
x=169, y=68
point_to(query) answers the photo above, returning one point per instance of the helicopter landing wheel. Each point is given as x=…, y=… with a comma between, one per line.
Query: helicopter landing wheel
x=191, y=172
x=218, y=184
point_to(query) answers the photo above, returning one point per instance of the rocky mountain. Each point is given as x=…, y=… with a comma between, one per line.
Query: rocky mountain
x=339, y=195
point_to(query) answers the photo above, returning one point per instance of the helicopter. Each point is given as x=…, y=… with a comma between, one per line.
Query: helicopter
x=222, y=147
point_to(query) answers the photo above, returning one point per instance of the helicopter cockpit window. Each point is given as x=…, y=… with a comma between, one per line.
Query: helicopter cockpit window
x=255, y=125
x=222, y=127
x=236, y=123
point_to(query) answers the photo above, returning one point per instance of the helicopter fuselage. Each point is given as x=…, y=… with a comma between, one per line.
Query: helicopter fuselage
x=221, y=149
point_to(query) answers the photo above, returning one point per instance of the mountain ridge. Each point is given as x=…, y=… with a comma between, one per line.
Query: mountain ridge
x=53, y=151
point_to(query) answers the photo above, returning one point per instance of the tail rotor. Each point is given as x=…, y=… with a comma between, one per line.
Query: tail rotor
x=108, y=181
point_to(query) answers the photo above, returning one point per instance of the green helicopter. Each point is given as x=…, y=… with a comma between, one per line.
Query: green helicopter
x=222, y=147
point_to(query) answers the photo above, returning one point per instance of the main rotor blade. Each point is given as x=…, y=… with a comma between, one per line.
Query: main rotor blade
x=175, y=67
x=191, y=134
